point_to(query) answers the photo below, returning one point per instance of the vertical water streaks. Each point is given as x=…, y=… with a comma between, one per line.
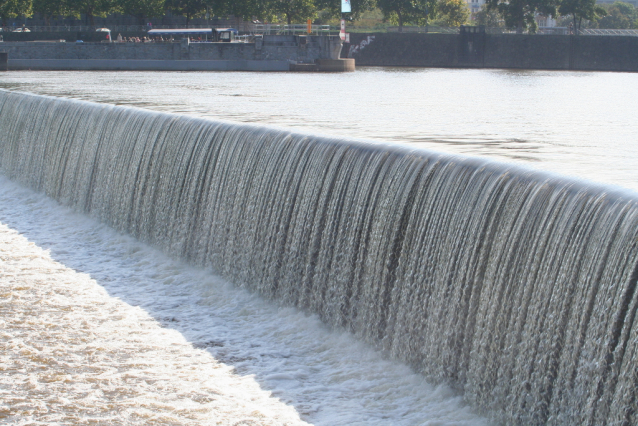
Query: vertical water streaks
x=518, y=287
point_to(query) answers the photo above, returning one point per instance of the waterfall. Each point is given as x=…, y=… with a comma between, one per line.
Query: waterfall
x=516, y=286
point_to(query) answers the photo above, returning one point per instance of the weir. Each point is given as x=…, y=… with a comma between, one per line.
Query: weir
x=516, y=286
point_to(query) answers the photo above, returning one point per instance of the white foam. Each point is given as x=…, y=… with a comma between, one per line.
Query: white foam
x=112, y=360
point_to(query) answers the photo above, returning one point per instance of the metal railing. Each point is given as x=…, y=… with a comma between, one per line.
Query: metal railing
x=245, y=27
x=607, y=32
x=289, y=29
x=80, y=28
x=113, y=28
x=426, y=29
x=553, y=31
x=246, y=38
x=251, y=28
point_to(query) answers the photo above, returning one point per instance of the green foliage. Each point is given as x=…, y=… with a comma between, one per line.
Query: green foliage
x=142, y=9
x=403, y=12
x=489, y=18
x=581, y=10
x=247, y=9
x=453, y=13
x=49, y=9
x=92, y=8
x=187, y=8
x=520, y=14
x=294, y=10
x=332, y=8
x=619, y=15
x=15, y=8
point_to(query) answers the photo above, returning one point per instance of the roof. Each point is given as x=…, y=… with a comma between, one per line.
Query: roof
x=182, y=31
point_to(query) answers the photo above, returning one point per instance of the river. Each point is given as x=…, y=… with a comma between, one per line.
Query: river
x=575, y=123
x=580, y=124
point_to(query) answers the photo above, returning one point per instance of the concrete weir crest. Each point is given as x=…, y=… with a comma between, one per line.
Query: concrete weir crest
x=516, y=286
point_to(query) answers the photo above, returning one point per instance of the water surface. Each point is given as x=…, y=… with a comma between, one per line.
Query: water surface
x=576, y=123
x=580, y=124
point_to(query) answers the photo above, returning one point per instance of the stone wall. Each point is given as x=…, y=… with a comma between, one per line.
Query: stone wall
x=147, y=65
x=270, y=48
x=480, y=50
x=524, y=51
x=394, y=49
x=613, y=53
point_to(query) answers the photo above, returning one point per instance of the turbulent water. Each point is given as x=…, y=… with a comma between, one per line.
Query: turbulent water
x=514, y=285
x=71, y=353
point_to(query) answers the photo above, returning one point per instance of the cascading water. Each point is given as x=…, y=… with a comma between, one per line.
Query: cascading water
x=517, y=286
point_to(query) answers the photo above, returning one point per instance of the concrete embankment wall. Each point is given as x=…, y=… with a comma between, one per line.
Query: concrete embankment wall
x=480, y=50
x=146, y=65
x=272, y=53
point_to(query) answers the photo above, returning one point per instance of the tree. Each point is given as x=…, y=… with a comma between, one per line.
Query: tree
x=91, y=9
x=294, y=10
x=407, y=11
x=332, y=8
x=453, y=13
x=246, y=9
x=489, y=18
x=187, y=8
x=619, y=15
x=581, y=9
x=14, y=8
x=520, y=14
x=142, y=9
x=50, y=9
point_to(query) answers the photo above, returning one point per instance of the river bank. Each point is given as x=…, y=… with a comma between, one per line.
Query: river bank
x=473, y=48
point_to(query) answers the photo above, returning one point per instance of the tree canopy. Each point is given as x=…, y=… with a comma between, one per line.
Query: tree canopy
x=142, y=9
x=581, y=9
x=518, y=14
x=294, y=10
x=333, y=7
x=618, y=15
x=403, y=12
x=521, y=14
x=454, y=13
x=92, y=8
x=14, y=8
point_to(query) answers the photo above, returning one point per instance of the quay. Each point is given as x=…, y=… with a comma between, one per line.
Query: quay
x=263, y=53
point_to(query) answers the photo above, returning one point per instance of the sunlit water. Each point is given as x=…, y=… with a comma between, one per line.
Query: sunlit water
x=581, y=124
x=576, y=123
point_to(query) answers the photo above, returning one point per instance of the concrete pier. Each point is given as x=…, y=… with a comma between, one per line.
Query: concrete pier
x=335, y=65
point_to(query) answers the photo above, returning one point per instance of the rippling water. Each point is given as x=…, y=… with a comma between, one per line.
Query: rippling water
x=577, y=123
